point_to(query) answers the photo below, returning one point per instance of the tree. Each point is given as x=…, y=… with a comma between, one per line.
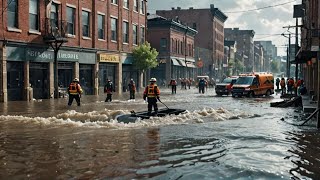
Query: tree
x=275, y=66
x=238, y=67
x=144, y=57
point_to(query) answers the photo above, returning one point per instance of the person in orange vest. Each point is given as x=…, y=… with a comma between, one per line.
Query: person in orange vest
x=152, y=94
x=173, y=84
x=74, y=91
x=290, y=85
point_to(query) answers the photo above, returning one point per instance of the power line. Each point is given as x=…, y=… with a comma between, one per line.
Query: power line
x=271, y=6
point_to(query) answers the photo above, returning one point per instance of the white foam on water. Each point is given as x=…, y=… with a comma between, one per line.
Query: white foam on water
x=107, y=118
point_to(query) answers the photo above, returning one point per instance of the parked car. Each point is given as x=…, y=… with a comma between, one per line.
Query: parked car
x=224, y=88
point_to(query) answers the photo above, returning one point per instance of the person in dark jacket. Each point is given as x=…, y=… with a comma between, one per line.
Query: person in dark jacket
x=132, y=89
x=173, y=84
x=108, y=88
x=202, y=85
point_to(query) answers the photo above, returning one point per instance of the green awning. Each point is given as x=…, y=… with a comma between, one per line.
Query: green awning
x=175, y=62
x=182, y=62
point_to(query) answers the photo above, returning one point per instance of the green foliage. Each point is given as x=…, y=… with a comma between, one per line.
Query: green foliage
x=145, y=57
x=275, y=66
x=238, y=66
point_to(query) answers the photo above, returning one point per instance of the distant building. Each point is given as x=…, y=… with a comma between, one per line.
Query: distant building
x=270, y=53
x=175, y=44
x=245, y=47
x=209, y=23
x=229, y=63
x=258, y=58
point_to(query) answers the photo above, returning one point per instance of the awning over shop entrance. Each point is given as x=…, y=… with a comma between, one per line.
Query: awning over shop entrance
x=304, y=56
x=182, y=62
x=191, y=65
x=175, y=62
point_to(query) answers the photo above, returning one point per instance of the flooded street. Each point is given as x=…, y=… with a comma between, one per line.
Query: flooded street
x=217, y=138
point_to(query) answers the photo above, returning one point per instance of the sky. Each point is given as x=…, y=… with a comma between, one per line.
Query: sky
x=267, y=22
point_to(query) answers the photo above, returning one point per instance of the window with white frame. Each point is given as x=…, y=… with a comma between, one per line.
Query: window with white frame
x=125, y=33
x=85, y=23
x=135, y=34
x=114, y=1
x=142, y=7
x=114, y=29
x=54, y=16
x=71, y=20
x=12, y=15
x=142, y=35
x=101, y=26
x=34, y=15
x=126, y=4
x=135, y=5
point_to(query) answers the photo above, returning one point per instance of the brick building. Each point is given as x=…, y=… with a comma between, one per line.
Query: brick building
x=93, y=41
x=209, y=42
x=175, y=44
x=309, y=54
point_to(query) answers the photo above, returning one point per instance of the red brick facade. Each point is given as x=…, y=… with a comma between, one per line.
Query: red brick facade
x=22, y=33
x=210, y=26
x=28, y=48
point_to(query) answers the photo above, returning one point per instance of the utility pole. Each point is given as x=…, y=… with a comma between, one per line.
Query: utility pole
x=288, y=54
x=296, y=51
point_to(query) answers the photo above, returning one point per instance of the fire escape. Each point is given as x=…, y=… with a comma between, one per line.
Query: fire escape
x=55, y=34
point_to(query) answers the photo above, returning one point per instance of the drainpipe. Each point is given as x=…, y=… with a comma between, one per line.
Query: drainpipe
x=185, y=51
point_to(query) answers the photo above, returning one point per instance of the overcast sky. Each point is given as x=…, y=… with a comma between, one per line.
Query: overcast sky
x=266, y=22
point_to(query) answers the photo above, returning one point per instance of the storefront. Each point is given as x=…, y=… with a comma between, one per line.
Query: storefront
x=15, y=80
x=108, y=70
x=129, y=72
x=39, y=80
x=86, y=78
x=30, y=71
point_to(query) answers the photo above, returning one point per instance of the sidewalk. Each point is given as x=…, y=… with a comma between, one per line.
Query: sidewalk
x=309, y=106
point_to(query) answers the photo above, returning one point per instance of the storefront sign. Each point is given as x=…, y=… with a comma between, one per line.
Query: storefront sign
x=314, y=48
x=38, y=55
x=112, y=58
x=45, y=55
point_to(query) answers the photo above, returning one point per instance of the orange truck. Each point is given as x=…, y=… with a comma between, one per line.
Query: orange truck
x=253, y=84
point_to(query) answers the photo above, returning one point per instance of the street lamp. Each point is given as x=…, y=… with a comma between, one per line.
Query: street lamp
x=288, y=53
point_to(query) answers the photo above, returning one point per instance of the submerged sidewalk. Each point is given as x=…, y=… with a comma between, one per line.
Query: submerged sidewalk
x=309, y=105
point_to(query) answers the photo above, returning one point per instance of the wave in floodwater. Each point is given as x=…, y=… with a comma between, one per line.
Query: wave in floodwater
x=107, y=118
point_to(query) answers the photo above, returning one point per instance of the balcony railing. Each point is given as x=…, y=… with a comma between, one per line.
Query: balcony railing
x=55, y=30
